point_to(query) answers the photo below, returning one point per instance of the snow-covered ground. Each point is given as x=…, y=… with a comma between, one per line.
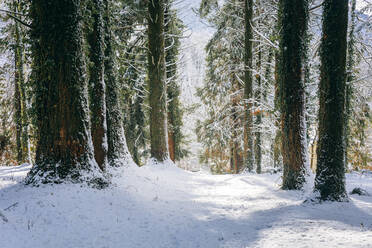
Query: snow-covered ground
x=159, y=206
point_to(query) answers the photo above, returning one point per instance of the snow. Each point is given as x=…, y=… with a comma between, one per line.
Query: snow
x=164, y=206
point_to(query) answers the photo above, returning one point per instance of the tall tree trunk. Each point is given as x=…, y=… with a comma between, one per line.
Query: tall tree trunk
x=117, y=153
x=330, y=174
x=18, y=75
x=248, y=91
x=97, y=84
x=17, y=108
x=156, y=77
x=20, y=113
x=258, y=122
x=64, y=148
x=236, y=159
x=277, y=142
x=294, y=20
x=173, y=90
x=350, y=77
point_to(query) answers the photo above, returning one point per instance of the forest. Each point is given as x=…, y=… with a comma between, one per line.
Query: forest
x=185, y=123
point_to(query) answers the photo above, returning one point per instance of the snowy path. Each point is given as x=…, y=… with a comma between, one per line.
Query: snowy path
x=167, y=207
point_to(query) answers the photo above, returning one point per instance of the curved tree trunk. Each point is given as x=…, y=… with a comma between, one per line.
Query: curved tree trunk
x=330, y=173
x=64, y=147
x=294, y=18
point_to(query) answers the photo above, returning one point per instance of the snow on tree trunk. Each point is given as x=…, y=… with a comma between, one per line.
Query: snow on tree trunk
x=294, y=21
x=248, y=91
x=330, y=174
x=64, y=149
x=118, y=153
x=97, y=84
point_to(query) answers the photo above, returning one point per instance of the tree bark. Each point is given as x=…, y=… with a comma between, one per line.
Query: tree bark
x=117, y=153
x=248, y=91
x=330, y=174
x=350, y=77
x=64, y=148
x=97, y=84
x=294, y=20
x=157, y=85
x=258, y=122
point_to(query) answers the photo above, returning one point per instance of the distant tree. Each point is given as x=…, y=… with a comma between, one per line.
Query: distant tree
x=330, y=174
x=14, y=45
x=294, y=21
x=64, y=148
x=248, y=85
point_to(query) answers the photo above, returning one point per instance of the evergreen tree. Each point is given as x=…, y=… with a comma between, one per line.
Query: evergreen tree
x=64, y=148
x=330, y=174
x=294, y=21
x=157, y=84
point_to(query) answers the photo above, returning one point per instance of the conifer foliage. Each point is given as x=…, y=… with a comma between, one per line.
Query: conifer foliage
x=89, y=85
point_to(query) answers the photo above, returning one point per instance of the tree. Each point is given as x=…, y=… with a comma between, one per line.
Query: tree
x=117, y=153
x=294, y=18
x=350, y=64
x=97, y=86
x=330, y=174
x=64, y=147
x=173, y=31
x=157, y=85
x=248, y=81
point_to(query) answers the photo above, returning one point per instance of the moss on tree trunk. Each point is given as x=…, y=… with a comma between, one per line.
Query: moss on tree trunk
x=294, y=21
x=97, y=86
x=117, y=146
x=330, y=173
x=156, y=78
x=64, y=148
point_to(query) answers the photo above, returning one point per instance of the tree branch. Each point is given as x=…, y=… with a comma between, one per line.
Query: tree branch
x=19, y=20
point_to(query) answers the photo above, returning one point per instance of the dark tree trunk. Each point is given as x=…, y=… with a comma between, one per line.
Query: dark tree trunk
x=156, y=77
x=117, y=146
x=330, y=174
x=258, y=122
x=17, y=107
x=248, y=91
x=64, y=148
x=97, y=86
x=294, y=19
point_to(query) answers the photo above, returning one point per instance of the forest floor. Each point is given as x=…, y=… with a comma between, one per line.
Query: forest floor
x=160, y=206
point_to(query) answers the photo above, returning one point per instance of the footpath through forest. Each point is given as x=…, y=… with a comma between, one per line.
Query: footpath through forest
x=160, y=206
